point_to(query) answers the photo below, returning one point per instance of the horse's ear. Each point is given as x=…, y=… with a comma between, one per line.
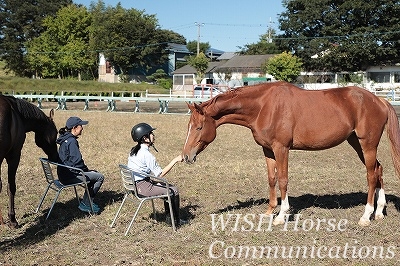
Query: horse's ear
x=195, y=108
x=51, y=115
x=198, y=108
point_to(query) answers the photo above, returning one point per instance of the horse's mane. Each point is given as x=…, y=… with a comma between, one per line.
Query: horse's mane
x=231, y=93
x=25, y=109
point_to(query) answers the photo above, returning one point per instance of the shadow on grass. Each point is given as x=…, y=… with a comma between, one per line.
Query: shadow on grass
x=63, y=213
x=186, y=213
x=337, y=201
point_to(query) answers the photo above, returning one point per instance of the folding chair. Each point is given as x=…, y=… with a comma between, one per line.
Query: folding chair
x=57, y=186
x=132, y=194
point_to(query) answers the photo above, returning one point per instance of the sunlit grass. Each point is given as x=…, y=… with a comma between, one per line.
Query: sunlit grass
x=228, y=177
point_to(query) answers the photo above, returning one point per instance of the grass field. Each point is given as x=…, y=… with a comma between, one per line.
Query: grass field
x=229, y=178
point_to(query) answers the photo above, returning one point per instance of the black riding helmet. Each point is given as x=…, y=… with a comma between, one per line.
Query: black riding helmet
x=140, y=130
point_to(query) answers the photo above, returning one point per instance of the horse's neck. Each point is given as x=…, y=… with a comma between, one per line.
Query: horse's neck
x=229, y=110
x=33, y=124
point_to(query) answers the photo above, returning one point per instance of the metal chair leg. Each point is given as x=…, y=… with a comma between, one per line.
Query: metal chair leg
x=134, y=216
x=119, y=210
x=43, y=197
x=76, y=194
x=54, y=202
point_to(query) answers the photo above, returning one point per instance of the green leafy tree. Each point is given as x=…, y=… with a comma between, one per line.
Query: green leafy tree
x=159, y=74
x=166, y=83
x=200, y=63
x=261, y=47
x=43, y=56
x=21, y=21
x=341, y=35
x=192, y=47
x=130, y=39
x=284, y=67
x=65, y=42
x=265, y=45
x=161, y=78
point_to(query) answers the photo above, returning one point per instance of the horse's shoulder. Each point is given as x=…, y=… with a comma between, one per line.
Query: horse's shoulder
x=7, y=100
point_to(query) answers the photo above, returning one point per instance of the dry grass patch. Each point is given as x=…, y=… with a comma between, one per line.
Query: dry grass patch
x=229, y=177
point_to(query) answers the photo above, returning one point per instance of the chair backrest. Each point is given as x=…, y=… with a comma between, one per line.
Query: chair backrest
x=128, y=181
x=47, y=170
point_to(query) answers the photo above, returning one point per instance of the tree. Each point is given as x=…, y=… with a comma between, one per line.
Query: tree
x=130, y=39
x=341, y=35
x=21, y=21
x=200, y=63
x=266, y=45
x=283, y=67
x=159, y=74
x=203, y=47
x=161, y=78
x=64, y=43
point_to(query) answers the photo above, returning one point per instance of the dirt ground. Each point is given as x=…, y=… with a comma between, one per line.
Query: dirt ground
x=228, y=181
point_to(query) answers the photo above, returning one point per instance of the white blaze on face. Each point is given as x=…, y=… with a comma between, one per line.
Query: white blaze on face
x=188, y=134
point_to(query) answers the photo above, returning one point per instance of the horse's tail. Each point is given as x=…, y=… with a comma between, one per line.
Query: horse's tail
x=393, y=132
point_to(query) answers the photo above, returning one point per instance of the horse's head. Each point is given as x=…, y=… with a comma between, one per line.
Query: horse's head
x=46, y=138
x=201, y=132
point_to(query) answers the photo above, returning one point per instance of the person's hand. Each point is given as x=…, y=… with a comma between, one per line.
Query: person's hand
x=179, y=158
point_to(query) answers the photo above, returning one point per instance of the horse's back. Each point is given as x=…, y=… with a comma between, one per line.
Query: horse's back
x=345, y=102
x=320, y=119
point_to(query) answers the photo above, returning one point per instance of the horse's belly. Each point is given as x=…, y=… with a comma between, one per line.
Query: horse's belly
x=319, y=140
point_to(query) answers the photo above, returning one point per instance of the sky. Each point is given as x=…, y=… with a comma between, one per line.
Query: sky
x=224, y=24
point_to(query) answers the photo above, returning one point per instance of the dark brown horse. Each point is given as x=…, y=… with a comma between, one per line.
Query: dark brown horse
x=283, y=117
x=17, y=117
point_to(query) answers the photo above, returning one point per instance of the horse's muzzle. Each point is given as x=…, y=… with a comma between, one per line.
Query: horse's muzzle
x=188, y=160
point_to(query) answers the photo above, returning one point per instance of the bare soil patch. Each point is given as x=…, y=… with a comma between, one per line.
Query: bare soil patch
x=229, y=178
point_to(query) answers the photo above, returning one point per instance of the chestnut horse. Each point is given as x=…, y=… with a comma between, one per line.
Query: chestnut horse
x=17, y=117
x=282, y=117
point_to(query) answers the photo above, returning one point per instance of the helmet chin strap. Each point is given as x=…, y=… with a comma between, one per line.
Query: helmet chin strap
x=151, y=144
x=154, y=147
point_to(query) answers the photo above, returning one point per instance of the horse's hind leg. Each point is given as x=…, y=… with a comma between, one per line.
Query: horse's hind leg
x=374, y=178
x=1, y=186
x=380, y=193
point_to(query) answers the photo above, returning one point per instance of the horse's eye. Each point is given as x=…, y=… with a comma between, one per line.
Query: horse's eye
x=199, y=128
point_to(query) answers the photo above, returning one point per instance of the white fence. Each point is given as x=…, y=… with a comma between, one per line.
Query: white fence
x=62, y=100
x=163, y=100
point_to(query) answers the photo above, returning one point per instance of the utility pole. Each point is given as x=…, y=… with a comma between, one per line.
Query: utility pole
x=270, y=30
x=198, y=36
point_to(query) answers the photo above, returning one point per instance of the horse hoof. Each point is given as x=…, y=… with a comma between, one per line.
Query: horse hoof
x=379, y=216
x=12, y=225
x=363, y=222
x=269, y=212
x=278, y=221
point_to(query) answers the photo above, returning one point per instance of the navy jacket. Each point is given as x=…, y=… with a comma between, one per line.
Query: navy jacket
x=70, y=155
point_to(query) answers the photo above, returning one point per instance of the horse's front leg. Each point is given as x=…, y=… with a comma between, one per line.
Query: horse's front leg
x=273, y=201
x=12, y=188
x=1, y=187
x=282, y=158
